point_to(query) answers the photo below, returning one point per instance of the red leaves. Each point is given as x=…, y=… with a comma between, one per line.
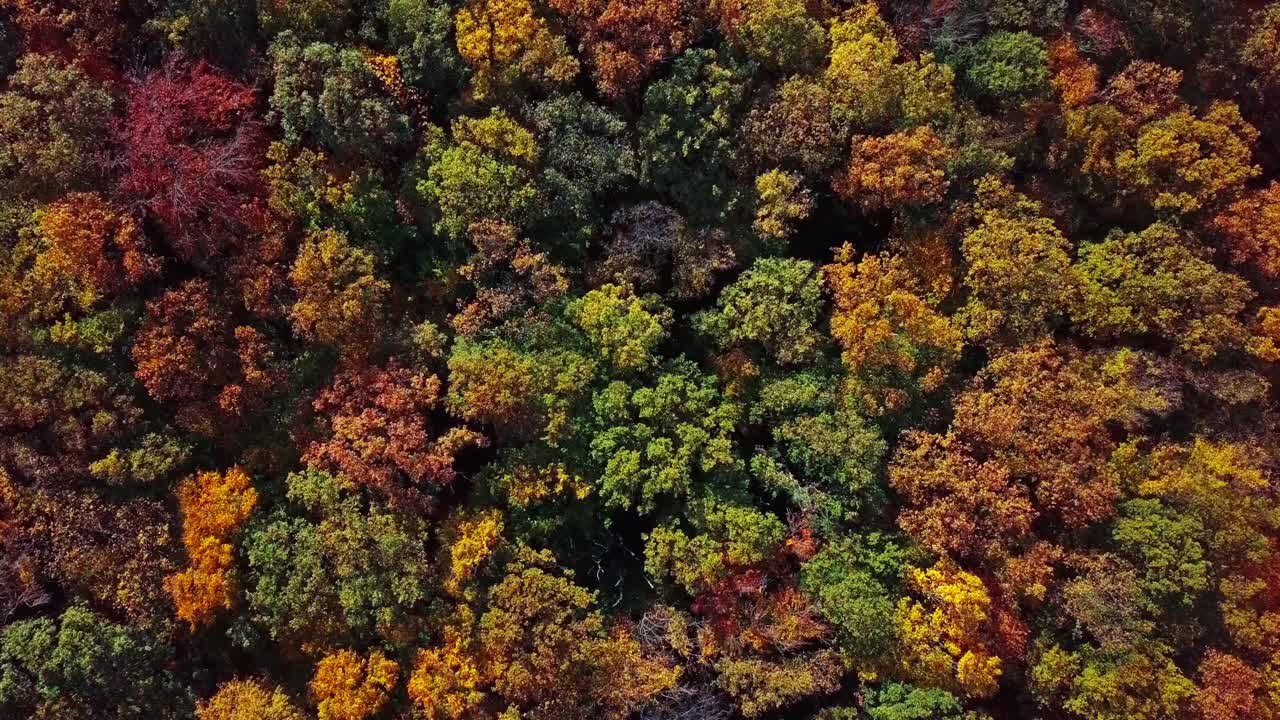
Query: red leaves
x=192, y=153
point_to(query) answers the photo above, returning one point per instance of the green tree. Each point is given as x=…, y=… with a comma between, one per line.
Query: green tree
x=54, y=126
x=83, y=665
x=331, y=95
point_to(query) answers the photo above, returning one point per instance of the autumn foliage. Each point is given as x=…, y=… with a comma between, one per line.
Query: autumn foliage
x=639, y=359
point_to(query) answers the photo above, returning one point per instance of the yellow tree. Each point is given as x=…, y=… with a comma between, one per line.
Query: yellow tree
x=340, y=297
x=943, y=634
x=896, y=344
x=347, y=686
x=248, y=700
x=508, y=43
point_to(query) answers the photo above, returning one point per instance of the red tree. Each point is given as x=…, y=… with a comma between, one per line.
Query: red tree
x=192, y=153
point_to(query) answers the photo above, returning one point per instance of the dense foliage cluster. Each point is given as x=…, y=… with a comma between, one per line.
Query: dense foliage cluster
x=639, y=359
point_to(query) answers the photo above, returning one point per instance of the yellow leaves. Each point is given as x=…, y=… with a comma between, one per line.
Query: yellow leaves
x=505, y=41
x=446, y=681
x=340, y=298
x=387, y=69
x=475, y=539
x=883, y=324
x=248, y=700
x=213, y=507
x=1184, y=162
x=347, y=686
x=1265, y=343
x=499, y=135
x=943, y=636
x=782, y=201
x=528, y=484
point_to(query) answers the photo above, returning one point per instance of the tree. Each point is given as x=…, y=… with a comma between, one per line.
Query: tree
x=1182, y=163
x=872, y=89
x=347, y=686
x=334, y=96
x=1008, y=66
x=485, y=171
x=624, y=329
x=96, y=248
x=686, y=140
x=851, y=581
x=781, y=202
x=1261, y=51
x=1047, y=414
x=904, y=169
x=247, y=700
x=422, y=33
x=797, y=125
x=624, y=41
x=657, y=439
x=109, y=552
x=1248, y=226
x=896, y=344
x=522, y=393
x=774, y=305
x=59, y=417
x=944, y=637
x=959, y=506
x=1019, y=276
x=333, y=569
x=508, y=45
x=380, y=432
x=650, y=237
x=541, y=649
x=588, y=158
x=1164, y=546
x=191, y=154
x=1155, y=282
x=214, y=506
x=81, y=664
x=778, y=33
x=341, y=299
x=189, y=354
x=510, y=277
x=54, y=128
x=826, y=457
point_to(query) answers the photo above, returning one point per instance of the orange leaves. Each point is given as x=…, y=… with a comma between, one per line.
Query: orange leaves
x=1251, y=228
x=905, y=168
x=626, y=39
x=213, y=507
x=380, y=433
x=349, y=687
x=189, y=353
x=961, y=507
x=1075, y=79
x=100, y=247
x=888, y=332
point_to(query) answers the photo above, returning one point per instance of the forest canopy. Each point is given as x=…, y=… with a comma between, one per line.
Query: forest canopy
x=639, y=360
